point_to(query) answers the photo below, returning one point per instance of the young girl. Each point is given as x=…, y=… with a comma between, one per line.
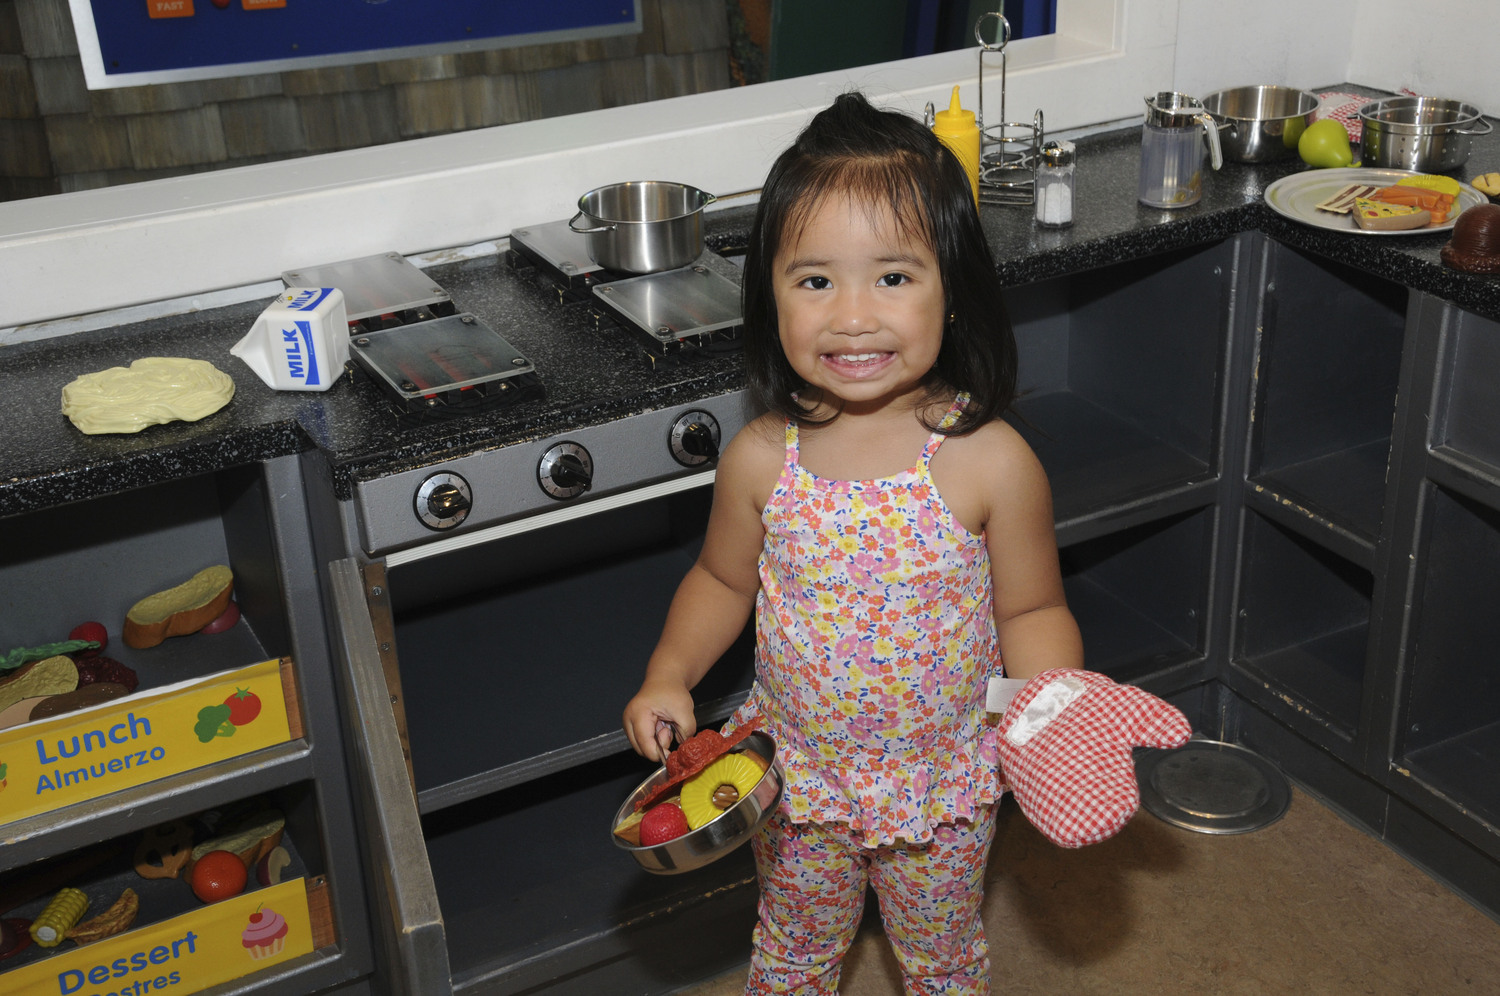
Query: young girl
x=892, y=534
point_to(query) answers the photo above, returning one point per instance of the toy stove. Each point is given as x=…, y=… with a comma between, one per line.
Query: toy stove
x=672, y=314
x=408, y=338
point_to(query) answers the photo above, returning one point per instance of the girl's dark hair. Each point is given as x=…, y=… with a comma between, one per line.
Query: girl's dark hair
x=884, y=158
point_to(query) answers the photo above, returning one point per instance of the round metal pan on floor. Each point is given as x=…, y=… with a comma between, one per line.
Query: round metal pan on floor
x=1212, y=787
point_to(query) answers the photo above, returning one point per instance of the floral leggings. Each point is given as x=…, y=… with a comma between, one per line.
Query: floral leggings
x=812, y=887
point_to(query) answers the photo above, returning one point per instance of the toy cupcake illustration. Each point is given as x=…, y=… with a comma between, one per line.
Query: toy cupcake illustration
x=266, y=935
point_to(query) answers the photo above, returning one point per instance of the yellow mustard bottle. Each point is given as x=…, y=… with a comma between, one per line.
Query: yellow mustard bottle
x=959, y=131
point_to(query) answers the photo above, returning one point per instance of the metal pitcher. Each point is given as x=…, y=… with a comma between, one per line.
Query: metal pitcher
x=1172, y=150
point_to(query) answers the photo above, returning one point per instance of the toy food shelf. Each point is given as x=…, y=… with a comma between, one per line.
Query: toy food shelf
x=126, y=742
x=216, y=943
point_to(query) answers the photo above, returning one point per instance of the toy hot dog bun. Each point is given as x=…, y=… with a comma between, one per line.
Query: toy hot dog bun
x=177, y=611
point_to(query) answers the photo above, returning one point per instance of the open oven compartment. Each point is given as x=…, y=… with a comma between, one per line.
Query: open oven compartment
x=1138, y=594
x=1448, y=729
x=1120, y=377
x=534, y=890
x=1303, y=625
x=276, y=836
x=517, y=656
x=1330, y=360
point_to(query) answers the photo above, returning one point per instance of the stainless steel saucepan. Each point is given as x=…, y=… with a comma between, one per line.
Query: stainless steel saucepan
x=1427, y=134
x=642, y=226
x=1260, y=124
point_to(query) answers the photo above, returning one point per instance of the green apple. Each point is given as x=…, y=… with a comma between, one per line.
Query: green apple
x=1325, y=143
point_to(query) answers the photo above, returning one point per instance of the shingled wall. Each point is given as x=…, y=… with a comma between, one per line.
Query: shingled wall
x=56, y=135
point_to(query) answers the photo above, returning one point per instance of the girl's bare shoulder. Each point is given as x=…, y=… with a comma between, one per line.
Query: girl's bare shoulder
x=989, y=468
x=754, y=457
x=995, y=447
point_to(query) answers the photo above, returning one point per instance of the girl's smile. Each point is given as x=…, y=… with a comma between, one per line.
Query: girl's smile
x=859, y=304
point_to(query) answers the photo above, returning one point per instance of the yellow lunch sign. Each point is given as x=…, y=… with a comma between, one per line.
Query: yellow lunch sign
x=137, y=739
x=186, y=954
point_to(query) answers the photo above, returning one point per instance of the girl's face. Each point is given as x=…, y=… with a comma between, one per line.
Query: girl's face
x=859, y=305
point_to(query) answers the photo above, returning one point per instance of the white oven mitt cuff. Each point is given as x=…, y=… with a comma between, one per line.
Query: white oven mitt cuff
x=1065, y=749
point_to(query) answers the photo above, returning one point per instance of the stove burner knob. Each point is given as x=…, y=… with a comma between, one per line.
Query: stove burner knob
x=565, y=471
x=443, y=501
x=694, y=438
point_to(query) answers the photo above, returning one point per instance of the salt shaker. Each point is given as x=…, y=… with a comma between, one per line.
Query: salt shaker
x=1054, y=185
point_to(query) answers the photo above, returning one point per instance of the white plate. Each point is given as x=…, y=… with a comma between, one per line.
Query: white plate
x=1297, y=197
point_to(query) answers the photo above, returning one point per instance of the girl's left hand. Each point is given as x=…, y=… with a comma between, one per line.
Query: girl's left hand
x=658, y=710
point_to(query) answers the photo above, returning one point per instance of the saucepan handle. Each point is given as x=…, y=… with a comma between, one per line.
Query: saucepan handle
x=573, y=224
x=1475, y=130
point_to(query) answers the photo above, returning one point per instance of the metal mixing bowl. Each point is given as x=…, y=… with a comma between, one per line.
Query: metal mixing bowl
x=720, y=835
x=1260, y=123
x=1425, y=134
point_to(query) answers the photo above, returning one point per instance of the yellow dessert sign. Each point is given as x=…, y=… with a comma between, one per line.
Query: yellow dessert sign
x=185, y=954
x=137, y=739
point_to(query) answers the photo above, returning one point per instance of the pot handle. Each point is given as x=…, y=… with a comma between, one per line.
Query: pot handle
x=587, y=231
x=1487, y=129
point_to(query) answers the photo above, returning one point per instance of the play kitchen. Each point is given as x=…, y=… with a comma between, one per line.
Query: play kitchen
x=467, y=542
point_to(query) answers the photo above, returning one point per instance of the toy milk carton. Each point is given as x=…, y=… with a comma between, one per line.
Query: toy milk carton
x=300, y=342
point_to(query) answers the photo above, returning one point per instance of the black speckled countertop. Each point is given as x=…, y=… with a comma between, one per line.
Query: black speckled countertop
x=594, y=374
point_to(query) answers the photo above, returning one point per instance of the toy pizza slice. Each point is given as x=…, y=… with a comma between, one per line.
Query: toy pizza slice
x=1380, y=216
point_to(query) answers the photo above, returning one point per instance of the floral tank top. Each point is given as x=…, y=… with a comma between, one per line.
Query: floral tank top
x=875, y=641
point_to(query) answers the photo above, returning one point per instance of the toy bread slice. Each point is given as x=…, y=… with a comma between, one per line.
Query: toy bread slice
x=184, y=609
x=1377, y=216
x=48, y=676
x=1343, y=201
x=250, y=841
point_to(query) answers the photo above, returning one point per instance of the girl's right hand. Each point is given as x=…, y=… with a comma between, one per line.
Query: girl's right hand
x=660, y=709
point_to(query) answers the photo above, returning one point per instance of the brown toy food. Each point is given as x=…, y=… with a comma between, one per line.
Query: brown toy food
x=109, y=923
x=178, y=611
x=107, y=670
x=80, y=698
x=48, y=676
x=629, y=829
x=1475, y=244
x=164, y=850
x=20, y=712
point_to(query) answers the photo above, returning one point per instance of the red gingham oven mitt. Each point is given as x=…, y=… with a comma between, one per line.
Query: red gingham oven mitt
x=1065, y=748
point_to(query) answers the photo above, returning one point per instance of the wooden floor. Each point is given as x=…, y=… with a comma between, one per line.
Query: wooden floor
x=1308, y=905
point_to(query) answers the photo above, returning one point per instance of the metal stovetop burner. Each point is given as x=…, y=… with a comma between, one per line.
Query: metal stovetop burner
x=406, y=337
x=671, y=314
x=446, y=366
x=1212, y=787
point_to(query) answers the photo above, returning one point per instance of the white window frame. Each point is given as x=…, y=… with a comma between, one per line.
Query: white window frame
x=197, y=241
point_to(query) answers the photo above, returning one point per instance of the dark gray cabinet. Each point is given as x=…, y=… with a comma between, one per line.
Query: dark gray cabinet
x=92, y=560
x=1277, y=486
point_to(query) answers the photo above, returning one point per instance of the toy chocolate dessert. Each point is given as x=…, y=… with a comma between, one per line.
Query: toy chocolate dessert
x=1475, y=246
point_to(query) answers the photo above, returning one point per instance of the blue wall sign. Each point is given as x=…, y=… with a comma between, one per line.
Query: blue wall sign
x=132, y=42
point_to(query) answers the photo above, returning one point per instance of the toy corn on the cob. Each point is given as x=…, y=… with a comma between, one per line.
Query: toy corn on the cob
x=65, y=910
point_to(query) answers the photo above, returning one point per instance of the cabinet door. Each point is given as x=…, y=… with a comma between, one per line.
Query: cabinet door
x=409, y=921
